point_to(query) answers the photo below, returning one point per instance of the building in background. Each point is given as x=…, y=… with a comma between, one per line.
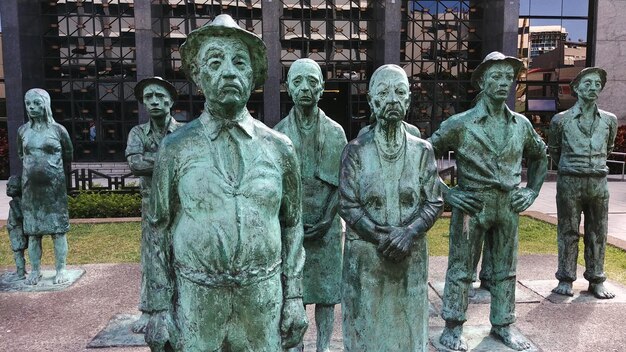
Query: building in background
x=90, y=53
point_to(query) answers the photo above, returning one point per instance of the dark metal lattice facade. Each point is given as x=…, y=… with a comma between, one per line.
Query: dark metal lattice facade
x=441, y=46
x=89, y=65
x=172, y=21
x=339, y=35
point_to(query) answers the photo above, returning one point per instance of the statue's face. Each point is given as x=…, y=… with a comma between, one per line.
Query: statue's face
x=589, y=87
x=304, y=83
x=389, y=95
x=225, y=72
x=157, y=100
x=35, y=106
x=497, y=80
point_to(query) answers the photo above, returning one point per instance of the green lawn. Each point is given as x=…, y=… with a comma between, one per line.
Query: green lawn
x=119, y=243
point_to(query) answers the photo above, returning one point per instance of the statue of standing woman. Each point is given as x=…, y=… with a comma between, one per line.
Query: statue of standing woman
x=46, y=152
x=389, y=198
x=318, y=141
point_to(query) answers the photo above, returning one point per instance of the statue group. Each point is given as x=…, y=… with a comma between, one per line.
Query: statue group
x=230, y=206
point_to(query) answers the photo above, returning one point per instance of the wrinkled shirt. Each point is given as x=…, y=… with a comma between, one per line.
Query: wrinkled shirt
x=143, y=141
x=215, y=230
x=480, y=164
x=581, y=152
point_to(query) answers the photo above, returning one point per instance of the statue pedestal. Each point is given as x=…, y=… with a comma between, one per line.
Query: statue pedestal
x=118, y=333
x=478, y=340
x=8, y=282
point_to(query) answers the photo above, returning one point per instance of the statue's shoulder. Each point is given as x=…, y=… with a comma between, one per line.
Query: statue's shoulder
x=284, y=124
x=60, y=129
x=608, y=115
x=521, y=118
x=276, y=139
x=417, y=142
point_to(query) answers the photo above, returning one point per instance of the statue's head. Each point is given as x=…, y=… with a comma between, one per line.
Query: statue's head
x=14, y=186
x=588, y=84
x=305, y=82
x=38, y=105
x=157, y=95
x=225, y=61
x=496, y=75
x=389, y=95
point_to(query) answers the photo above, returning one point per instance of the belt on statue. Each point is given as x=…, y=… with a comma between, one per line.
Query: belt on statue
x=227, y=279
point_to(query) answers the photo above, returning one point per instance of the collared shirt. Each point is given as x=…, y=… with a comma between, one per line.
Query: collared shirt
x=217, y=230
x=143, y=141
x=480, y=163
x=577, y=150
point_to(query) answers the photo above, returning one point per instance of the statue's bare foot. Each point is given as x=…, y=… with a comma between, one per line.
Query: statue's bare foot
x=600, y=291
x=510, y=338
x=139, y=327
x=564, y=288
x=18, y=276
x=452, y=337
x=33, y=278
x=61, y=277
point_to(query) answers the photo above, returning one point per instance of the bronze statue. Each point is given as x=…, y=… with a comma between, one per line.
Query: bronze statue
x=318, y=141
x=46, y=152
x=19, y=241
x=389, y=198
x=581, y=138
x=226, y=273
x=158, y=96
x=489, y=142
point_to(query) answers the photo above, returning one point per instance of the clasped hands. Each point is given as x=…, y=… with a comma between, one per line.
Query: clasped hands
x=395, y=242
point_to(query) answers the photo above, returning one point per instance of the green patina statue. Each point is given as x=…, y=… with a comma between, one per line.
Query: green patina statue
x=46, y=152
x=389, y=197
x=19, y=241
x=489, y=142
x=226, y=271
x=318, y=141
x=157, y=96
x=581, y=138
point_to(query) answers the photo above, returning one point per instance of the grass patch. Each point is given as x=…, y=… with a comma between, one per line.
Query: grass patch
x=88, y=243
x=119, y=243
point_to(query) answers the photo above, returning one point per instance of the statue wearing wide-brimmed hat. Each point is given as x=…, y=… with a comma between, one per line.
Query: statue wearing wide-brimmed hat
x=489, y=142
x=226, y=209
x=158, y=96
x=580, y=140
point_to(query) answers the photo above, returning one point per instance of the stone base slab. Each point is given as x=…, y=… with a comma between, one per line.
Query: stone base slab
x=118, y=333
x=478, y=339
x=9, y=282
x=581, y=295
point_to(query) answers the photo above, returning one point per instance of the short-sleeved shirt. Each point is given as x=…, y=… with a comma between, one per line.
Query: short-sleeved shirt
x=580, y=151
x=480, y=163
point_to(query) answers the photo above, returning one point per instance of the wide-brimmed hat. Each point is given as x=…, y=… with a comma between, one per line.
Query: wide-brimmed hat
x=493, y=58
x=154, y=80
x=585, y=71
x=224, y=26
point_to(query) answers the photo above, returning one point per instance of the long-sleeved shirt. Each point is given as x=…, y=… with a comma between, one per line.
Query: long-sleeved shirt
x=579, y=151
x=222, y=219
x=480, y=162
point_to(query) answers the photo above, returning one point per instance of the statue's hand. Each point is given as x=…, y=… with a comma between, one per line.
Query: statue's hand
x=466, y=201
x=397, y=244
x=522, y=198
x=317, y=231
x=293, y=323
x=159, y=330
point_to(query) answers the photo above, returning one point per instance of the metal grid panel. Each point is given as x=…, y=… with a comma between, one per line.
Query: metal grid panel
x=172, y=21
x=339, y=36
x=89, y=64
x=441, y=46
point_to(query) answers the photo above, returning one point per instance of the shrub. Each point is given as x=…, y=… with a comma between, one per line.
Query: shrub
x=104, y=205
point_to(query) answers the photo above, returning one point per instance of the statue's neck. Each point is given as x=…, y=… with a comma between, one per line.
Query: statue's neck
x=306, y=115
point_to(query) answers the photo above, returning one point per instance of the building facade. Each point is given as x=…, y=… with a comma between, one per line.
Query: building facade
x=90, y=54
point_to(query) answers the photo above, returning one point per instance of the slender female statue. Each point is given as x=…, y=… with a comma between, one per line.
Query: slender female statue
x=46, y=152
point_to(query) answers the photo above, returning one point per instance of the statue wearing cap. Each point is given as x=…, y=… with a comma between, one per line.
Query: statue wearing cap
x=226, y=211
x=158, y=96
x=580, y=140
x=489, y=142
